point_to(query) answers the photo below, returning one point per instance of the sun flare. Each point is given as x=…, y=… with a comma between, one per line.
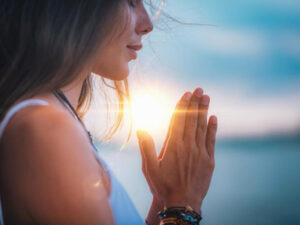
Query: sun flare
x=150, y=110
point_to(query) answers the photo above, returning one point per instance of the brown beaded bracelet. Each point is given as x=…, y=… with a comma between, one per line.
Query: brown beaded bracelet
x=174, y=221
x=179, y=215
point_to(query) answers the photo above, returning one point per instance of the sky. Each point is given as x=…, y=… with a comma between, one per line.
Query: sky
x=248, y=61
x=246, y=57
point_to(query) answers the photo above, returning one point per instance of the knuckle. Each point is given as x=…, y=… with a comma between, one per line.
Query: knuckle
x=200, y=134
x=193, y=118
x=203, y=110
x=211, y=165
x=202, y=156
x=189, y=145
x=202, y=115
x=202, y=127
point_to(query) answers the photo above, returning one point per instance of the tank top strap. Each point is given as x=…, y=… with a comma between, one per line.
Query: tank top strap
x=16, y=108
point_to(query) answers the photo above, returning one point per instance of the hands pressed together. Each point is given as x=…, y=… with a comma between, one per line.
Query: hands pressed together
x=180, y=175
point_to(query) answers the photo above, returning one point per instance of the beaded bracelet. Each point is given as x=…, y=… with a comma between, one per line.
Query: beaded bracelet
x=179, y=215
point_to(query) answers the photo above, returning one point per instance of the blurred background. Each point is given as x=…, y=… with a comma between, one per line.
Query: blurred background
x=247, y=59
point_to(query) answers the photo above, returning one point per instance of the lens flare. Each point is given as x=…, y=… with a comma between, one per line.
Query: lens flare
x=150, y=111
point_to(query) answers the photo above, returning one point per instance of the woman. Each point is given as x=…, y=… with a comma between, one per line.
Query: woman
x=49, y=172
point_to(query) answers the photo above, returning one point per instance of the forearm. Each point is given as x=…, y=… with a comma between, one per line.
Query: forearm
x=152, y=218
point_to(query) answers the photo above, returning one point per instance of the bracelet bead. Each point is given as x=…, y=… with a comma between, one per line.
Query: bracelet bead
x=179, y=215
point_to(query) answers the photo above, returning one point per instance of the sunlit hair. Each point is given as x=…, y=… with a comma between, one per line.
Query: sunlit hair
x=122, y=87
x=44, y=45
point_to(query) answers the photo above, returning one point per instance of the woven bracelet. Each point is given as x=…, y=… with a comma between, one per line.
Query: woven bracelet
x=184, y=215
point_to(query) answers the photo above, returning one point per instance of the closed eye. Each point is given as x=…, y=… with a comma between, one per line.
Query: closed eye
x=133, y=3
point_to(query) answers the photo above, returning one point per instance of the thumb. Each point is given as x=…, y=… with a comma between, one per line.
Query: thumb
x=147, y=148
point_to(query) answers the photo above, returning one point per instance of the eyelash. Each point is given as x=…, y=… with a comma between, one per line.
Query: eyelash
x=133, y=3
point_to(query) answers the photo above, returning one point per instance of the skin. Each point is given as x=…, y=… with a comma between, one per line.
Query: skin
x=67, y=184
x=180, y=175
x=112, y=61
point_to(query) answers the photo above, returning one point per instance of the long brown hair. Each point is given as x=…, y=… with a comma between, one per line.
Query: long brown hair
x=44, y=45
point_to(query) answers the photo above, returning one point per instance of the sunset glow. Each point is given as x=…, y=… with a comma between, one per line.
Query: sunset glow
x=150, y=110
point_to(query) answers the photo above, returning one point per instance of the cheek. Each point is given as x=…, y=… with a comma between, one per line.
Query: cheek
x=113, y=63
x=112, y=60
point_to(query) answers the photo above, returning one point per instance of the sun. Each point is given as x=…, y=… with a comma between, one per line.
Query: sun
x=150, y=110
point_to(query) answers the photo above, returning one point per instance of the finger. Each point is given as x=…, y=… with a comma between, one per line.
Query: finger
x=142, y=154
x=144, y=166
x=162, y=152
x=192, y=117
x=202, y=120
x=211, y=136
x=147, y=148
x=179, y=117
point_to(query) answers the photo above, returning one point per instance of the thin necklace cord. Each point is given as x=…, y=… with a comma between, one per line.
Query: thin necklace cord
x=63, y=99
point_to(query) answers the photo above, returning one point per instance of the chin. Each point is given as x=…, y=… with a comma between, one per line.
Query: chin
x=116, y=75
x=121, y=74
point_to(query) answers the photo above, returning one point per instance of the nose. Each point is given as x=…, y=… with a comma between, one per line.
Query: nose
x=144, y=24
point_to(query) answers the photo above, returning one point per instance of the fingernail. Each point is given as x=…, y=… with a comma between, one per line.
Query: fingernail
x=214, y=120
x=198, y=92
x=187, y=96
x=205, y=100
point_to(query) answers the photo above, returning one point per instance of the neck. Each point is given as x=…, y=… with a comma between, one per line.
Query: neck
x=72, y=92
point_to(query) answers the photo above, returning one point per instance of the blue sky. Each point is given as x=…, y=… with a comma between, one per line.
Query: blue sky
x=249, y=65
x=255, y=41
x=248, y=62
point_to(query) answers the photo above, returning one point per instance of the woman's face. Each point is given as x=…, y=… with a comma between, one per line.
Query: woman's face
x=113, y=58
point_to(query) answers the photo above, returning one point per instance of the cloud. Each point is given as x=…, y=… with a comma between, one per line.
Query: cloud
x=242, y=116
x=229, y=42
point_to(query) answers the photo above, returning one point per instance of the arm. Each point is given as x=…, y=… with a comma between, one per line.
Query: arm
x=60, y=180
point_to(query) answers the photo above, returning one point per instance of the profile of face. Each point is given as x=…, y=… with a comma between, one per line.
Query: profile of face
x=112, y=59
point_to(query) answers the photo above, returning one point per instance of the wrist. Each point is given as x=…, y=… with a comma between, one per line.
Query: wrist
x=180, y=215
x=158, y=204
x=155, y=208
x=196, y=206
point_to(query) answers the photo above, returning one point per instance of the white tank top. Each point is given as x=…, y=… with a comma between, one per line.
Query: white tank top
x=123, y=209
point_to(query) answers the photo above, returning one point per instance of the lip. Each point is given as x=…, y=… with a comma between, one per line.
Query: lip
x=133, y=49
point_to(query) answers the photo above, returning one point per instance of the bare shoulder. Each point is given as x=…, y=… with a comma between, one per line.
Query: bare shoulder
x=40, y=127
x=53, y=172
x=37, y=118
